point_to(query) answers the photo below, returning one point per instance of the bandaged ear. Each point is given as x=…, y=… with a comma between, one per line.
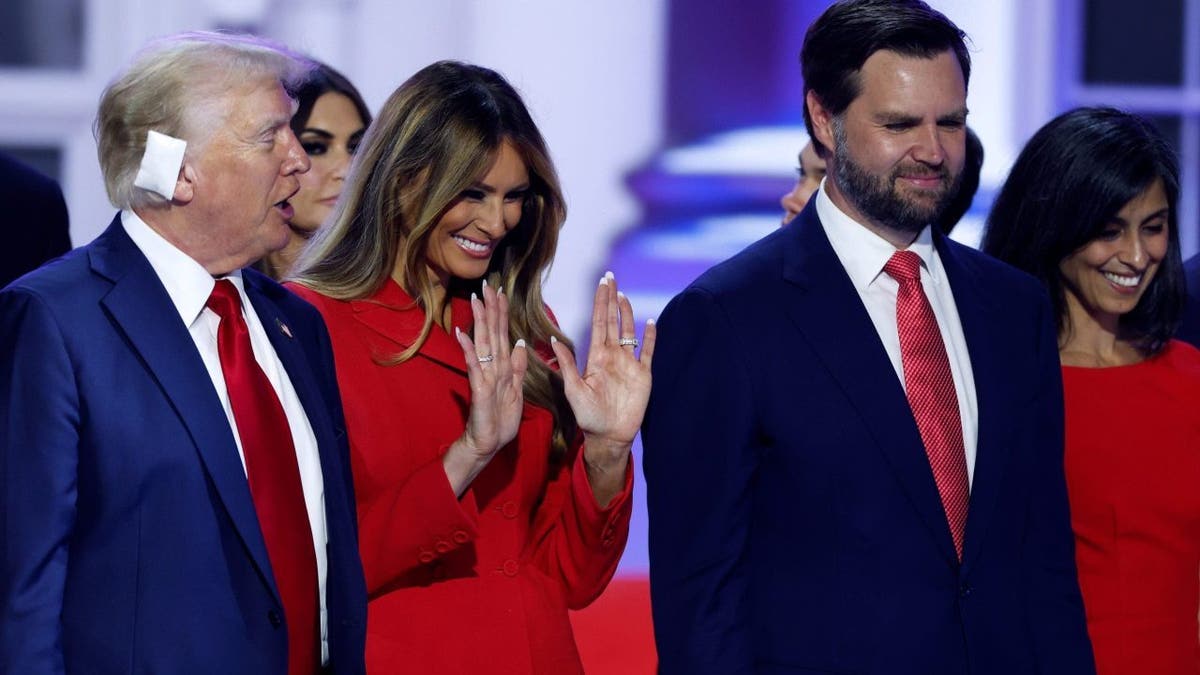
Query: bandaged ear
x=160, y=164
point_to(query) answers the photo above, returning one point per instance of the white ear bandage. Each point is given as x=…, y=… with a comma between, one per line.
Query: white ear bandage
x=160, y=164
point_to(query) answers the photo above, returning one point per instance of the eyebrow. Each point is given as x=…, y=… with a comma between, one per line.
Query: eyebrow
x=887, y=117
x=316, y=132
x=1164, y=212
x=480, y=185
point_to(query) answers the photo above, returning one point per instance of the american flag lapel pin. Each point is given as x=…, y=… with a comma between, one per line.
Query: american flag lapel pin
x=283, y=328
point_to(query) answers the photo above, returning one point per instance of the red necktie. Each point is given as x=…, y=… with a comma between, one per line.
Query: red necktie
x=930, y=389
x=274, y=478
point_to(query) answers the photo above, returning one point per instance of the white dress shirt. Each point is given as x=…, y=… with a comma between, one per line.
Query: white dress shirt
x=863, y=255
x=188, y=284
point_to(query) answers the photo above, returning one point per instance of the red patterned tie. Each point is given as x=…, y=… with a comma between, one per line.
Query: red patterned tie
x=274, y=480
x=930, y=389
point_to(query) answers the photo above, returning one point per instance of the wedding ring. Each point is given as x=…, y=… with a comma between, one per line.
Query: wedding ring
x=628, y=342
x=487, y=359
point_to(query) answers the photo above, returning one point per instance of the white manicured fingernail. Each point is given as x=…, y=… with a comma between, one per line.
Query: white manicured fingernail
x=603, y=281
x=456, y=331
x=553, y=339
x=610, y=275
x=650, y=322
x=621, y=294
x=521, y=343
x=485, y=282
x=473, y=297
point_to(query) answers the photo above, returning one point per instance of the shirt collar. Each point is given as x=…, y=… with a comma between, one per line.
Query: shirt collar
x=187, y=283
x=864, y=253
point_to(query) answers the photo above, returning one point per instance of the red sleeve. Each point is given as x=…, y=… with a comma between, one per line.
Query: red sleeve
x=413, y=524
x=577, y=542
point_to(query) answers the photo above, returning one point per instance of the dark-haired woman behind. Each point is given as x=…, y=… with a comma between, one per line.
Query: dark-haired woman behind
x=492, y=485
x=330, y=120
x=1089, y=208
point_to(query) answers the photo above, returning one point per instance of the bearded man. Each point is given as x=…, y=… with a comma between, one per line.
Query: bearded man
x=853, y=449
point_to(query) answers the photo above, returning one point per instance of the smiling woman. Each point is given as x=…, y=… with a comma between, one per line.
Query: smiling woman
x=493, y=481
x=1089, y=208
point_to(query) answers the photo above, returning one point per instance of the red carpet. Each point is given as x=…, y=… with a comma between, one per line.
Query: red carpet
x=615, y=634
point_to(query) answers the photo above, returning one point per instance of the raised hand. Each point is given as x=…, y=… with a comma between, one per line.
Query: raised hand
x=495, y=372
x=609, y=399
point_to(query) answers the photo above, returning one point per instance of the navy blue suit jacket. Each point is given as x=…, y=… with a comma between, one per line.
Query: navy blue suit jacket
x=130, y=540
x=1189, y=326
x=795, y=526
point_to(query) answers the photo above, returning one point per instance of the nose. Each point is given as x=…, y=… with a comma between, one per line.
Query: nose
x=1133, y=252
x=342, y=167
x=296, y=160
x=928, y=148
x=490, y=218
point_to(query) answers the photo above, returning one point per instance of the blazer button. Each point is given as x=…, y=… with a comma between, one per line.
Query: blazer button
x=425, y=557
x=443, y=547
x=460, y=537
x=275, y=619
x=509, y=510
x=511, y=567
x=964, y=590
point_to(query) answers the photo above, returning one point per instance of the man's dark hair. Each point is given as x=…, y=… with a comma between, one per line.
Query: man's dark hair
x=1072, y=177
x=841, y=40
x=968, y=184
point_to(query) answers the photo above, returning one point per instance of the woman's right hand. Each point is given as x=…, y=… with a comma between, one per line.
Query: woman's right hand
x=496, y=373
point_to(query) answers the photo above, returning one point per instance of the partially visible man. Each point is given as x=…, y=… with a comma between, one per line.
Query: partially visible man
x=853, y=449
x=34, y=226
x=1189, y=328
x=173, y=466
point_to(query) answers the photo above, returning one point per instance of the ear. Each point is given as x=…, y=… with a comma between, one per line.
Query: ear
x=185, y=185
x=822, y=119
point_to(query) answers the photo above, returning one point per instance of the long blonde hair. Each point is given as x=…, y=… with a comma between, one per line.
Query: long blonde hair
x=435, y=136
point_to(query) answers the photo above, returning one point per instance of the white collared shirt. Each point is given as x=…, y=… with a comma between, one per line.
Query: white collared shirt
x=188, y=284
x=863, y=255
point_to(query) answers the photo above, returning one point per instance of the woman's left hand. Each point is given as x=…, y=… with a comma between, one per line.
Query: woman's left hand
x=609, y=399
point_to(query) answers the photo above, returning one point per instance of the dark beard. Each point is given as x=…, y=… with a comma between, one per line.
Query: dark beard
x=876, y=196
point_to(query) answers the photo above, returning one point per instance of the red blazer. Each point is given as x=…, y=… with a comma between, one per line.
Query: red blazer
x=478, y=584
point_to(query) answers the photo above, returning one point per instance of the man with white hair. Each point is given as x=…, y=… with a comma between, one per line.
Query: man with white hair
x=173, y=463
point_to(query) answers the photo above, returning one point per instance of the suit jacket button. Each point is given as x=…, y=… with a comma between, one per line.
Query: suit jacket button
x=425, y=557
x=275, y=619
x=511, y=567
x=460, y=537
x=509, y=509
x=964, y=590
x=443, y=547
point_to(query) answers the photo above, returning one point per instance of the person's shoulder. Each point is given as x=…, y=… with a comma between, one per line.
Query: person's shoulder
x=746, y=272
x=991, y=274
x=25, y=181
x=65, y=278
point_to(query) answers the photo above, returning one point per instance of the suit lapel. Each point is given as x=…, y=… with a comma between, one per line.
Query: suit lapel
x=143, y=311
x=824, y=306
x=977, y=313
x=300, y=371
x=395, y=316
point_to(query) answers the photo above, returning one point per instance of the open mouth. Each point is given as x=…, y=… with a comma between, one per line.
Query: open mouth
x=285, y=209
x=473, y=248
x=1123, y=280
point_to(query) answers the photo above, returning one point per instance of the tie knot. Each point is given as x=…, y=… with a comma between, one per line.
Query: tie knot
x=904, y=266
x=225, y=300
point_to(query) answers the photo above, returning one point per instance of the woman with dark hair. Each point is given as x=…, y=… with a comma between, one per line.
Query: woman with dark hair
x=492, y=485
x=1089, y=208
x=330, y=120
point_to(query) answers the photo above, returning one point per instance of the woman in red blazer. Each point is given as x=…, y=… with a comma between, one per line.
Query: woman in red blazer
x=492, y=488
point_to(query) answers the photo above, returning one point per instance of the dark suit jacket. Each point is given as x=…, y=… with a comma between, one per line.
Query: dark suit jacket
x=131, y=544
x=795, y=526
x=33, y=227
x=1189, y=327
